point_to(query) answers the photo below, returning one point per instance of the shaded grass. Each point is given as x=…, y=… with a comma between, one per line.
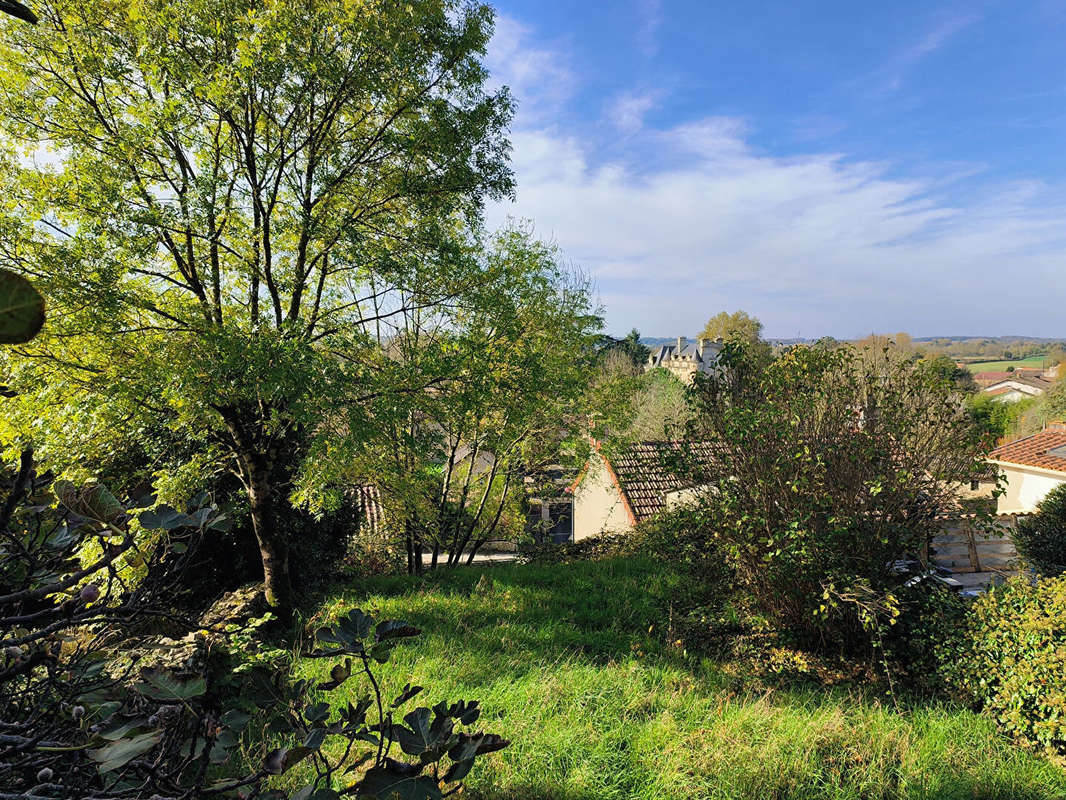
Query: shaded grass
x=569, y=662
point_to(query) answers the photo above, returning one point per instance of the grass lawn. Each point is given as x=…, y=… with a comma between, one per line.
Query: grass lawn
x=1035, y=362
x=597, y=707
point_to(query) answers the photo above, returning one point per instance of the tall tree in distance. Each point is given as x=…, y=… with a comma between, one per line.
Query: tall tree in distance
x=739, y=324
x=742, y=329
x=629, y=346
x=224, y=199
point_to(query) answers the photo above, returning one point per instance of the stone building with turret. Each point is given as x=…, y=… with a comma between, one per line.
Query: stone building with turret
x=685, y=359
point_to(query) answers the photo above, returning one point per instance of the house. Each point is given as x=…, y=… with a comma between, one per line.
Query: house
x=684, y=360
x=1032, y=466
x=614, y=495
x=1012, y=389
x=984, y=379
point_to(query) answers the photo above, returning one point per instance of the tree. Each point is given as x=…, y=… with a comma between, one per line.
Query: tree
x=996, y=417
x=1041, y=537
x=1056, y=356
x=742, y=328
x=1049, y=407
x=452, y=465
x=946, y=367
x=235, y=197
x=629, y=346
x=739, y=324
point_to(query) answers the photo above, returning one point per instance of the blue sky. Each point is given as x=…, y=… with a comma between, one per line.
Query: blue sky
x=833, y=168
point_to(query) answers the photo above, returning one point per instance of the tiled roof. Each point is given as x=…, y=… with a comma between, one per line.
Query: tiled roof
x=996, y=377
x=1032, y=451
x=646, y=474
x=1026, y=380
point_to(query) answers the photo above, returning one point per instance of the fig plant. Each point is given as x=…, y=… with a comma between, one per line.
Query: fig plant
x=439, y=754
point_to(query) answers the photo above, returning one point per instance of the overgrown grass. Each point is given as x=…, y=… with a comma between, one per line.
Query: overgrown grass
x=569, y=662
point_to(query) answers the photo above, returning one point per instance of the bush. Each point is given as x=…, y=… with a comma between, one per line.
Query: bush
x=931, y=614
x=1041, y=538
x=1010, y=660
x=829, y=467
x=591, y=548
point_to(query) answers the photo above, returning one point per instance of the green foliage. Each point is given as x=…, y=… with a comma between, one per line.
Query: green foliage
x=625, y=404
x=80, y=581
x=506, y=372
x=740, y=328
x=591, y=548
x=91, y=696
x=683, y=536
x=1041, y=537
x=1010, y=659
x=1049, y=407
x=226, y=224
x=21, y=309
x=629, y=346
x=995, y=417
x=17, y=9
x=931, y=614
x=738, y=325
x=444, y=754
x=831, y=465
x=950, y=371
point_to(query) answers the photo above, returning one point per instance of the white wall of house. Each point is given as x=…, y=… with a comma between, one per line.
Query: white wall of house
x=1026, y=487
x=687, y=497
x=1013, y=396
x=1017, y=391
x=598, y=503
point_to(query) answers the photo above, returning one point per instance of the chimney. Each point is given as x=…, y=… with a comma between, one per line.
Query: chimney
x=699, y=346
x=680, y=346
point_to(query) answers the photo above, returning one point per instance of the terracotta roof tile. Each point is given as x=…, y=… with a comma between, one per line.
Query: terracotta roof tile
x=646, y=473
x=1026, y=380
x=1032, y=451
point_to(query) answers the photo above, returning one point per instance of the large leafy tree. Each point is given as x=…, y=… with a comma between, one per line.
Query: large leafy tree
x=738, y=326
x=221, y=199
x=452, y=463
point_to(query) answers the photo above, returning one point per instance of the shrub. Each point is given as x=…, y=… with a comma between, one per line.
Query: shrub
x=591, y=548
x=1010, y=660
x=1041, y=538
x=931, y=614
x=683, y=535
x=829, y=467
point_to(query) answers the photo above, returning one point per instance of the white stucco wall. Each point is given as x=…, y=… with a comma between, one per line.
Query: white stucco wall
x=598, y=504
x=1013, y=396
x=1025, y=488
x=684, y=497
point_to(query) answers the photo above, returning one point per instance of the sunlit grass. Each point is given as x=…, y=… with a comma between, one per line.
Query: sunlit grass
x=597, y=707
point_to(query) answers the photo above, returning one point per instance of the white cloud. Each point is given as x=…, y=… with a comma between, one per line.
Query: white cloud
x=814, y=244
x=539, y=77
x=893, y=74
x=693, y=219
x=627, y=110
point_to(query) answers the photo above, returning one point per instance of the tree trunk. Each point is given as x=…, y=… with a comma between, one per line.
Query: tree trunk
x=273, y=549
